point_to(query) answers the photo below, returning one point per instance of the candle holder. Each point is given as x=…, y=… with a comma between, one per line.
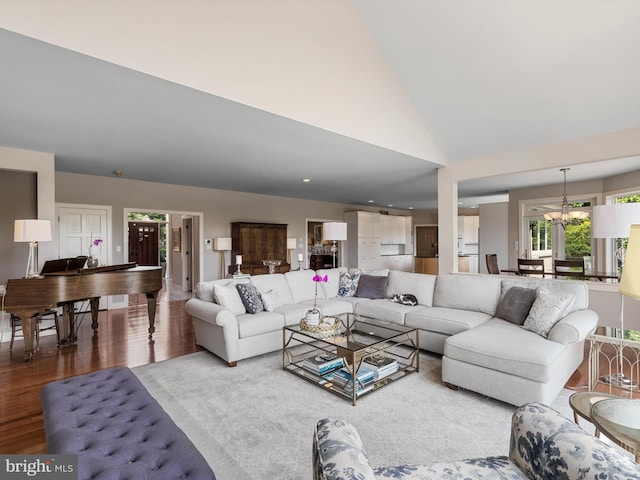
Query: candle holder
x=299, y=265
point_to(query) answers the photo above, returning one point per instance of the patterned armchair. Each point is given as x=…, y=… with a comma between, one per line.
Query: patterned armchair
x=544, y=446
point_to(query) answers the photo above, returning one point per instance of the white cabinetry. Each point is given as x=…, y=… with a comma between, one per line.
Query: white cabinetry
x=404, y=263
x=363, y=240
x=393, y=229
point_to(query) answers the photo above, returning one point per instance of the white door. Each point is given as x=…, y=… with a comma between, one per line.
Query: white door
x=78, y=229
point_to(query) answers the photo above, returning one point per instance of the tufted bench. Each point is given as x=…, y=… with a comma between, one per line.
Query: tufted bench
x=117, y=429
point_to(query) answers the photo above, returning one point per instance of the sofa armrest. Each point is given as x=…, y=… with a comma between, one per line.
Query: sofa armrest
x=546, y=445
x=211, y=312
x=338, y=452
x=575, y=327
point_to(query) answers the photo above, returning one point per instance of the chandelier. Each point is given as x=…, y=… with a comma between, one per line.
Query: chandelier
x=565, y=214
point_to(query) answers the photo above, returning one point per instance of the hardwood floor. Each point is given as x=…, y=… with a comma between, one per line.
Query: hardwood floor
x=121, y=341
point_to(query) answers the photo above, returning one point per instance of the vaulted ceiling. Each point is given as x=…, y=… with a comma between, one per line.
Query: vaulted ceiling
x=367, y=99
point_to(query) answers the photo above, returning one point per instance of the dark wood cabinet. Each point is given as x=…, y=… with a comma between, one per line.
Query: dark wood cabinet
x=257, y=242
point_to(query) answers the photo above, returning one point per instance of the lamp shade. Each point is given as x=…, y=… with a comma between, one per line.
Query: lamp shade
x=614, y=220
x=32, y=231
x=291, y=244
x=334, y=231
x=630, y=280
x=222, y=243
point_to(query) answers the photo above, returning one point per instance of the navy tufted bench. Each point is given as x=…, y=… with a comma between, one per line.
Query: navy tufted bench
x=117, y=430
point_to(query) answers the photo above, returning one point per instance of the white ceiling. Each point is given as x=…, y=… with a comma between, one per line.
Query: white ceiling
x=485, y=77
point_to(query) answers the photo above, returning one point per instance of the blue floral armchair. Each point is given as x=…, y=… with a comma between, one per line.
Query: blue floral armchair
x=544, y=446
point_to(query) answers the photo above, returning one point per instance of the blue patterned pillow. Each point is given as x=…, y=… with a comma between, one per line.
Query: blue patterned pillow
x=349, y=283
x=250, y=297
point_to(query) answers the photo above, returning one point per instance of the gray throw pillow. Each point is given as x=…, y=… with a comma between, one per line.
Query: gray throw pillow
x=250, y=297
x=516, y=304
x=372, y=286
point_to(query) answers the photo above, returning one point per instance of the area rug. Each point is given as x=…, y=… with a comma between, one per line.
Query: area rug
x=256, y=421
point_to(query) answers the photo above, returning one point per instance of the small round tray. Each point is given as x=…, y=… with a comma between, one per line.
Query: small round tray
x=328, y=327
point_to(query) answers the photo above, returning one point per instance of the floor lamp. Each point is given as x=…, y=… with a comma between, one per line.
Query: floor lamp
x=614, y=221
x=222, y=244
x=32, y=231
x=630, y=287
x=334, y=232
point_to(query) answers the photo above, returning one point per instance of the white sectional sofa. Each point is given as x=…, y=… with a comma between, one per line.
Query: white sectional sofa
x=455, y=315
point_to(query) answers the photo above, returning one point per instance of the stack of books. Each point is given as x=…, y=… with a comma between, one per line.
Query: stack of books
x=343, y=381
x=322, y=364
x=382, y=367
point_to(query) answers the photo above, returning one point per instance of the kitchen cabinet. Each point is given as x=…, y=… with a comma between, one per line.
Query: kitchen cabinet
x=393, y=229
x=427, y=265
x=404, y=263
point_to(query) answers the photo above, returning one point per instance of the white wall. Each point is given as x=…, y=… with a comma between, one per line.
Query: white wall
x=219, y=208
x=493, y=234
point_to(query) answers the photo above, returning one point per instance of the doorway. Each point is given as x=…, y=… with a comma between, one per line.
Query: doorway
x=144, y=243
x=427, y=241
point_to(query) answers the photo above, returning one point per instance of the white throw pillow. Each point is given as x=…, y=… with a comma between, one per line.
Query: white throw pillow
x=228, y=297
x=271, y=300
x=547, y=309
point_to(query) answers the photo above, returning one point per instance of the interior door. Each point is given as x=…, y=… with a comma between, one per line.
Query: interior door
x=144, y=243
x=78, y=227
x=426, y=241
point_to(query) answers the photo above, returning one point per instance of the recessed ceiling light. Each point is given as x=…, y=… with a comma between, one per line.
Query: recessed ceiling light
x=370, y=201
x=306, y=180
x=389, y=205
x=410, y=208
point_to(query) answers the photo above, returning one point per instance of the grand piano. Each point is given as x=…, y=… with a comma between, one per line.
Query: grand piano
x=27, y=297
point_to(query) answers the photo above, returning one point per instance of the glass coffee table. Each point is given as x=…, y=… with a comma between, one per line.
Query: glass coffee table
x=619, y=419
x=373, y=352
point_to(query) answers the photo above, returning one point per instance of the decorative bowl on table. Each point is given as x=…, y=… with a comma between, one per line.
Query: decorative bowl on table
x=272, y=264
x=328, y=327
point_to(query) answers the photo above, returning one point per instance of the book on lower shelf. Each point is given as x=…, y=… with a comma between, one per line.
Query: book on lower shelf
x=344, y=379
x=382, y=367
x=322, y=363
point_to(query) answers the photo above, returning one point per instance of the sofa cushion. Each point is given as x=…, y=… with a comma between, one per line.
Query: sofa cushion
x=419, y=284
x=270, y=300
x=302, y=286
x=332, y=285
x=276, y=282
x=228, y=297
x=546, y=311
x=294, y=312
x=385, y=310
x=250, y=325
x=372, y=286
x=565, y=287
x=328, y=306
x=349, y=283
x=502, y=346
x=204, y=291
x=515, y=304
x=477, y=293
x=447, y=321
x=250, y=297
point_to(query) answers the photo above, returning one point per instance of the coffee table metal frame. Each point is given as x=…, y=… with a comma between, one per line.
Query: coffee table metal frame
x=359, y=337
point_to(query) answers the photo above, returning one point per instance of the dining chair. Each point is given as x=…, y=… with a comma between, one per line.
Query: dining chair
x=492, y=263
x=569, y=269
x=16, y=326
x=528, y=266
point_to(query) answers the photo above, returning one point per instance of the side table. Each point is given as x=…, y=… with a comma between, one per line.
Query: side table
x=619, y=419
x=582, y=402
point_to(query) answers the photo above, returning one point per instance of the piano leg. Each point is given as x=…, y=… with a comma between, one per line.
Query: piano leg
x=68, y=327
x=151, y=310
x=28, y=331
x=95, y=304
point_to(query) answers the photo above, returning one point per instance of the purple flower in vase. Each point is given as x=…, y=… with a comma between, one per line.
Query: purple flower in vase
x=317, y=278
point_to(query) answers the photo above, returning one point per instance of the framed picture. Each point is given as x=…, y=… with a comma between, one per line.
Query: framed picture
x=176, y=239
x=317, y=235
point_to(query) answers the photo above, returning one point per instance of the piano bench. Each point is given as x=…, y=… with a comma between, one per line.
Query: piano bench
x=117, y=429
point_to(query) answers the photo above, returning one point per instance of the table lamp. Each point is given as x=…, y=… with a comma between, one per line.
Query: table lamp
x=334, y=232
x=32, y=231
x=291, y=245
x=614, y=221
x=630, y=287
x=222, y=245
